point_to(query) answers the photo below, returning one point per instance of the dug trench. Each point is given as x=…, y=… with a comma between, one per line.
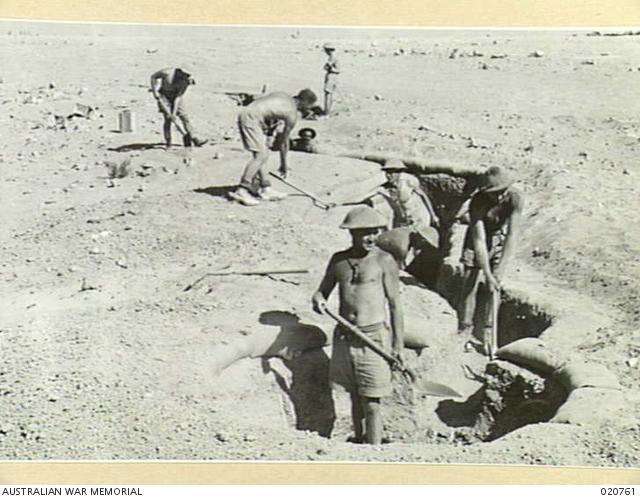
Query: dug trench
x=498, y=396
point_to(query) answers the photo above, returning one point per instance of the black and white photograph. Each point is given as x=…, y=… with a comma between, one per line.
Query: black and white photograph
x=320, y=244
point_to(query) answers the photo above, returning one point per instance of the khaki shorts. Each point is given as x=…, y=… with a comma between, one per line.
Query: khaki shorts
x=168, y=102
x=496, y=246
x=251, y=132
x=356, y=367
x=330, y=83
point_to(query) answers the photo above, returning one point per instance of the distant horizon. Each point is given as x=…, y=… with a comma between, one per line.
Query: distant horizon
x=102, y=28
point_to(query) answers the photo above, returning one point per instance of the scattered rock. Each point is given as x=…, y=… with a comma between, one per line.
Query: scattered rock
x=81, y=111
x=221, y=437
x=537, y=252
x=84, y=286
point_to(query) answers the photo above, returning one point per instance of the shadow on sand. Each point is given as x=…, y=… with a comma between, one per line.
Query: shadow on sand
x=137, y=147
x=309, y=388
x=219, y=191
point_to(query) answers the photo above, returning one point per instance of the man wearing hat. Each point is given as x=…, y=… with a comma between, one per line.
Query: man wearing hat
x=331, y=72
x=305, y=141
x=495, y=213
x=368, y=284
x=413, y=218
x=410, y=204
x=168, y=87
x=255, y=121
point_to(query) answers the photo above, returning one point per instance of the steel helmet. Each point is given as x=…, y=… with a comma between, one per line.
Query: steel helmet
x=495, y=179
x=363, y=217
x=307, y=133
x=393, y=164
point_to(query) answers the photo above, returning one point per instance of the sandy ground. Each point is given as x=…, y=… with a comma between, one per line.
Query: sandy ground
x=104, y=356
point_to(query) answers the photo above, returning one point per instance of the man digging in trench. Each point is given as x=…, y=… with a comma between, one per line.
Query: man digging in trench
x=367, y=280
x=256, y=121
x=415, y=221
x=168, y=87
x=495, y=212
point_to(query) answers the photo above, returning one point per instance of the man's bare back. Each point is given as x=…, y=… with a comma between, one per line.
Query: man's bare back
x=274, y=107
x=166, y=83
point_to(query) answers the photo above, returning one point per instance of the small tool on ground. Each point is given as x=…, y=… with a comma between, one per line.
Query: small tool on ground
x=245, y=272
x=423, y=385
x=318, y=202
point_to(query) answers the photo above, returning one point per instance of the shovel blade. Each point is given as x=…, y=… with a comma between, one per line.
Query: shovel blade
x=435, y=389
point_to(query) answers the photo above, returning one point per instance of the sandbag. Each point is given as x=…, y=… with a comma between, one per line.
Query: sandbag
x=287, y=342
x=579, y=374
x=279, y=334
x=530, y=353
x=586, y=406
x=396, y=242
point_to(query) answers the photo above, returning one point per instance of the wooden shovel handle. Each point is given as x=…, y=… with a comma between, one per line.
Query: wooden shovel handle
x=393, y=361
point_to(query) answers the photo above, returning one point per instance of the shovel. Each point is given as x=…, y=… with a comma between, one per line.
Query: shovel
x=316, y=201
x=423, y=385
x=171, y=117
x=491, y=346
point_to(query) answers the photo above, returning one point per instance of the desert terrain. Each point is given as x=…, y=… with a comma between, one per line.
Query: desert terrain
x=106, y=356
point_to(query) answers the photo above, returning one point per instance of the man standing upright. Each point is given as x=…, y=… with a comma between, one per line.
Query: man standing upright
x=331, y=72
x=168, y=87
x=495, y=212
x=257, y=121
x=368, y=284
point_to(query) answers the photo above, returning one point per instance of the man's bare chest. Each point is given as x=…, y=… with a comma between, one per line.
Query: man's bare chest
x=358, y=271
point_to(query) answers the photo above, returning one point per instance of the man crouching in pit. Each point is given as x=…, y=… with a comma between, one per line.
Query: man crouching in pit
x=367, y=279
